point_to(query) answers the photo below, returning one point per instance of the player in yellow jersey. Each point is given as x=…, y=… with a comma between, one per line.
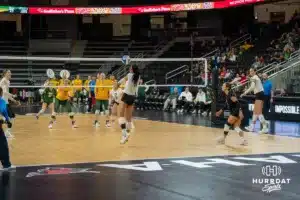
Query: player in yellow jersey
x=102, y=96
x=77, y=99
x=54, y=82
x=86, y=84
x=63, y=100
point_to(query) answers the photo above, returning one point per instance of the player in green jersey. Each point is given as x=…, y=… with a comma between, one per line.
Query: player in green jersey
x=48, y=96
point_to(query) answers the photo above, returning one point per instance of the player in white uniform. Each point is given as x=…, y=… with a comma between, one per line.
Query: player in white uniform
x=4, y=84
x=127, y=101
x=257, y=87
x=115, y=96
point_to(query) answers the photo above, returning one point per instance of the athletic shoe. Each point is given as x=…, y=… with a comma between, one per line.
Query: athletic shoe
x=249, y=128
x=8, y=134
x=97, y=124
x=125, y=136
x=107, y=125
x=50, y=126
x=132, y=125
x=221, y=140
x=265, y=130
x=244, y=142
x=11, y=168
x=74, y=126
x=204, y=113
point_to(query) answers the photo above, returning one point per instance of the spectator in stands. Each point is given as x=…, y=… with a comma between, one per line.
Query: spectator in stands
x=268, y=94
x=141, y=95
x=172, y=99
x=202, y=102
x=246, y=46
x=227, y=75
x=287, y=53
x=277, y=57
x=243, y=79
x=259, y=62
x=282, y=93
x=232, y=57
x=179, y=89
x=185, y=101
x=236, y=80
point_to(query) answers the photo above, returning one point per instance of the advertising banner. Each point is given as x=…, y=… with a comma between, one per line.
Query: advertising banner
x=138, y=9
x=52, y=10
x=13, y=9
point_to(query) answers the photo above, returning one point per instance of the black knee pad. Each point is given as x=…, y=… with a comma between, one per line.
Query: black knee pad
x=53, y=117
x=123, y=126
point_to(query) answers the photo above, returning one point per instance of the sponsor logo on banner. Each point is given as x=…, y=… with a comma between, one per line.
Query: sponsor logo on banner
x=104, y=10
x=272, y=179
x=146, y=9
x=60, y=171
x=287, y=109
x=48, y=10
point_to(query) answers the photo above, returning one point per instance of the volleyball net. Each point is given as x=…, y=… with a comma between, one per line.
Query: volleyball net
x=31, y=75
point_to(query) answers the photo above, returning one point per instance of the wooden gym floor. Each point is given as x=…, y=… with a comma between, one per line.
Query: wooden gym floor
x=35, y=144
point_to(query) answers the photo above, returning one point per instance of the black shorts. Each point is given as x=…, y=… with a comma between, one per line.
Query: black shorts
x=235, y=112
x=10, y=112
x=260, y=96
x=128, y=99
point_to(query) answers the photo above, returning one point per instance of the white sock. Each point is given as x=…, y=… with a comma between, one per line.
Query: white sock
x=262, y=119
x=128, y=125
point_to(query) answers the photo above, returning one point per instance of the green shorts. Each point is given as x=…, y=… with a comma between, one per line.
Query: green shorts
x=101, y=105
x=62, y=106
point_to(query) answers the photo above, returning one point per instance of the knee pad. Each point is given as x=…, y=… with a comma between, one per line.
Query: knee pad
x=9, y=124
x=122, y=121
x=226, y=127
x=71, y=115
x=97, y=112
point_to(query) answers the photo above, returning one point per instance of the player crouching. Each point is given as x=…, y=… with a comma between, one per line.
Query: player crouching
x=63, y=101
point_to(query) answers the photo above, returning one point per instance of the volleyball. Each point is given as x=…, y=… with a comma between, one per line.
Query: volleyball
x=50, y=73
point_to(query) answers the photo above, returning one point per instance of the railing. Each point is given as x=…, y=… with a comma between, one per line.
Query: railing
x=294, y=57
x=150, y=82
x=176, y=72
x=283, y=77
x=240, y=40
x=270, y=69
x=210, y=53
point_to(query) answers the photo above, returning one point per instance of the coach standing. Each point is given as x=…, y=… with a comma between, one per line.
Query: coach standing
x=268, y=93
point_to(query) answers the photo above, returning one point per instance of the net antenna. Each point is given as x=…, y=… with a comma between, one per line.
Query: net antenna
x=115, y=59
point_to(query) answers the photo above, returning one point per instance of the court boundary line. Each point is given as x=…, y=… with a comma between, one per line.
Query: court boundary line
x=148, y=159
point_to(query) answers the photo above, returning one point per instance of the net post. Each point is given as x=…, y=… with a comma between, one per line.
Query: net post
x=215, y=85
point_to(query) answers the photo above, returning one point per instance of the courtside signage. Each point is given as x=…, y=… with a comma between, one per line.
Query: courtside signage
x=269, y=178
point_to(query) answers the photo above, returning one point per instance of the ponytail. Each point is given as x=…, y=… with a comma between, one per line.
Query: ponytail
x=136, y=74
